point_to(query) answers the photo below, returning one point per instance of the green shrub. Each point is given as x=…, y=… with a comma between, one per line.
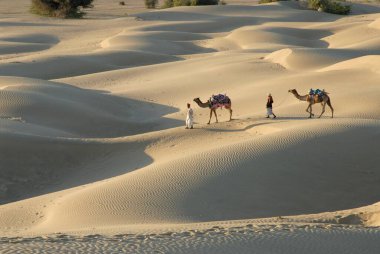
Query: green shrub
x=168, y=4
x=330, y=6
x=268, y=1
x=181, y=2
x=151, y=4
x=338, y=8
x=174, y=3
x=204, y=2
x=316, y=4
x=60, y=8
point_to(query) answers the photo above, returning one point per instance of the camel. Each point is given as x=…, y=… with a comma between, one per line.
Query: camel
x=324, y=99
x=213, y=107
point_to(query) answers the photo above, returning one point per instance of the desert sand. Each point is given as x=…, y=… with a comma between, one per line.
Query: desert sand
x=94, y=156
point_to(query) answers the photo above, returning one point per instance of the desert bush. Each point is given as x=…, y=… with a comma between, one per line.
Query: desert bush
x=60, y=8
x=269, y=1
x=338, y=8
x=122, y=3
x=318, y=4
x=168, y=4
x=174, y=3
x=181, y=2
x=330, y=6
x=151, y=4
x=204, y=2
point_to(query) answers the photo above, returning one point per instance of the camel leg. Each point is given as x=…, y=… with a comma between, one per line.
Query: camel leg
x=209, y=120
x=311, y=111
x=216, y=116
x=230, y=113
x=332, y=109
x=323, y=109
x=308, y=109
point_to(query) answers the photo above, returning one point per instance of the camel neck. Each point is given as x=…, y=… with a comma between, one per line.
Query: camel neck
x=202, y=104
x=302, y=98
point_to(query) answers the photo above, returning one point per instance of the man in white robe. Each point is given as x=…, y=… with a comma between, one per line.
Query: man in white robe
x=189, y=117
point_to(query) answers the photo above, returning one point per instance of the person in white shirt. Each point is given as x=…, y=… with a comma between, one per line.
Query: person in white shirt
x=189, y=117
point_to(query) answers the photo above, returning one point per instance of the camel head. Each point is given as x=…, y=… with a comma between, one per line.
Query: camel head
x=292, y=90
x=201, y=104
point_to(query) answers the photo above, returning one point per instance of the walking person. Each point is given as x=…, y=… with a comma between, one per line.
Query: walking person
x=189, y=117
x=270, y=107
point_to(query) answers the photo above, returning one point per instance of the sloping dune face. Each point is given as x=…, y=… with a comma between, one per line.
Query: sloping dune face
x=193, y=188
x=91, y=116
x=85, y=113
x=20, y=44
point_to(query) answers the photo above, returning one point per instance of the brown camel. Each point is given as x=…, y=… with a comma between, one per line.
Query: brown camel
x=214, y=106
x=324, y=99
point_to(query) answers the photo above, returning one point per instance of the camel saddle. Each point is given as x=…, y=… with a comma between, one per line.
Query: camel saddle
x=220, y=99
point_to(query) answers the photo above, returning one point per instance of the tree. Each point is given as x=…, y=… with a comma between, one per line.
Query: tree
x=174, y=3
x=151, y=4
x=330, y=6
x=61, y=8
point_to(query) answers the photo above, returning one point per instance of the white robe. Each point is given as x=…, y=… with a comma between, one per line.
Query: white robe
x=189, y=118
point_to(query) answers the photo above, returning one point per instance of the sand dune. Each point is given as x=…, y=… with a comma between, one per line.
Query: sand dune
x=66, y=66
x=186, y=189
x=171, y=43
x=368, y=63
x=94, y=155
x=352, y=36
x=87, y=113
x=375, y=24
x=311, y=59
x=21, y=44
x=241, y=239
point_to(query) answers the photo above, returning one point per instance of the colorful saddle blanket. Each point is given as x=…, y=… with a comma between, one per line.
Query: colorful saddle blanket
x=318, y=92
x=220, y=99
